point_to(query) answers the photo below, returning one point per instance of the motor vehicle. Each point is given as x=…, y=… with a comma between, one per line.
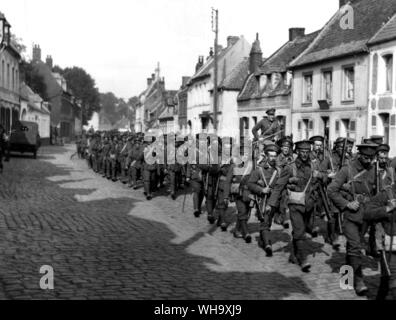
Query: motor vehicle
x=25, y=137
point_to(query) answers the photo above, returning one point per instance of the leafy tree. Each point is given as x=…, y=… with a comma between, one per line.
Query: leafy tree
x=33, y=79
x=109, y=103
x=83, y=88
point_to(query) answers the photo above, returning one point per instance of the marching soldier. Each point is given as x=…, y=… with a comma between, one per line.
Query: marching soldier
x=284, y=159
x=270, y=128
x=126, y=146
x=135, y=162
x=239, y=193
x=261, y=183
x=360, y=177
x=149, y=171
x=222, y=194
x=299, y=178
x=175, y=172
x=381, y=209
x=111, y=169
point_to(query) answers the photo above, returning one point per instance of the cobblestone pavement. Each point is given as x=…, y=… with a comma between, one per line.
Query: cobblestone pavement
x=105, y=241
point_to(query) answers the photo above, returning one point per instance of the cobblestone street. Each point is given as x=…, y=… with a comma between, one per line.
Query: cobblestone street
x=105, y=241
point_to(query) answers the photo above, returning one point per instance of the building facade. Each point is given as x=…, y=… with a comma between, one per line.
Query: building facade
x=65, y=111
x=269, y=84
x=382, y=85
x=330, y=78
x=9, y=79
x=200, y=117
x=35, y=109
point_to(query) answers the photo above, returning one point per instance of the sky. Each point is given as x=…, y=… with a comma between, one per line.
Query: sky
x=119, y=42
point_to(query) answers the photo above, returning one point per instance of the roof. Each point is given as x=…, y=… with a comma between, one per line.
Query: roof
x=168, y=113
x=236, y=78
x=386, y=33
x=335, y=42
x=279, y=61
x=204, y=71
x=276, y=63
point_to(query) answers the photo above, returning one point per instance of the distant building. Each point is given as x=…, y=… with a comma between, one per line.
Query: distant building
x=35, y=109
x=382, y=85
x=65, y=112
x=9, y=79
x=200, y=116
x=181, y=101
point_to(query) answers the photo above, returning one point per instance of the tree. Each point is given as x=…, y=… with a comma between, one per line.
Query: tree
x=83, y=88
x=33, y=79
x=109, y=103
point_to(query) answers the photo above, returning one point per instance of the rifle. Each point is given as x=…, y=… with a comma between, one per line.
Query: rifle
x=344, y=151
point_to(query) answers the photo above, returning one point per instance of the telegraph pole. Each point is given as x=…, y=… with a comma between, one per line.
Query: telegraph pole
x=215, y=29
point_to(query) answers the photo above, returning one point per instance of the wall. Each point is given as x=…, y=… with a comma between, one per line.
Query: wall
x=381, y=103
x=339, y=109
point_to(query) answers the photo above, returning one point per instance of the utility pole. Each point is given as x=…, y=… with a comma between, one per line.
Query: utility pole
x=215, y=29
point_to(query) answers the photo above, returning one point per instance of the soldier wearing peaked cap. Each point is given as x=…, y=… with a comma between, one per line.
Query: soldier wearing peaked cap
x=269, y=127
x=359, y=175
x=261, y=184
x=298, y=179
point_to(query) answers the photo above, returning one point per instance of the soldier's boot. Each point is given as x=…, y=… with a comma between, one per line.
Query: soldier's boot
x=196, y=205
x=265, y=243
x=293, y=250
x=393, y=291
x=211, y=217
x=237, y=231
x=173, y=196
x=245, y=231
x=221, y=222
x=359, y=285
x=301, y=255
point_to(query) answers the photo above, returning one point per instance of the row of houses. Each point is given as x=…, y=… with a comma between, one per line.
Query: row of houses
x=337, y=81
x=58, y=117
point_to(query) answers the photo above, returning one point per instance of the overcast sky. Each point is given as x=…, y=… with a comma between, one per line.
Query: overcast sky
x=120, y=41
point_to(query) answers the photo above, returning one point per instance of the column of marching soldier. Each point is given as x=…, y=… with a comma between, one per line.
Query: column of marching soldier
x=301, y=183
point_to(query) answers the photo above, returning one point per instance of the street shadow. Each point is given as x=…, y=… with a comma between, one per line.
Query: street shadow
x=98, y=250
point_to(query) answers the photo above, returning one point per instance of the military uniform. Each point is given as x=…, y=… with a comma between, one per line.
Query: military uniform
x=361, y=181
x=298, y=177
x=268, y=128
x=266, y=176
x=149, y=173
x=223, y=193
x=123, y=155
x=239, y=193
x=112, y=161
x=135, y=161
x=378, y=210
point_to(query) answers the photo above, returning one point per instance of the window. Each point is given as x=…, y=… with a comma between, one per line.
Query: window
x=13, y=79
x=349, y=84
x=311, y=125
x=2, y=74
x=373, y=121
x=388, y=72
x=307, y=89
x=393, y=120
x=337, y=127
x=327, y=85
x=299, y=125
x=8, y=76
x=352, y=126
x=255, y=120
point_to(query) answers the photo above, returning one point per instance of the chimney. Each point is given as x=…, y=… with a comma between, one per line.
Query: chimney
x=36, y=53
x=231, y=40
x=149, y=81
x=153, y=76
x=294, y=33
x=49, y=62
x=199, y=63
x=211, y=52
x=256, y=56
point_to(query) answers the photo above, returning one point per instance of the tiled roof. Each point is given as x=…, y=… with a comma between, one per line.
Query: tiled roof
x=289, y=51
x=204, y=71
x=386, y=33
x=237, y=77
x=334, y=41
x=278, y=63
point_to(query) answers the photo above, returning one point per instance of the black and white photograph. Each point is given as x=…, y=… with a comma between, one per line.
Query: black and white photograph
x=197, y=154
